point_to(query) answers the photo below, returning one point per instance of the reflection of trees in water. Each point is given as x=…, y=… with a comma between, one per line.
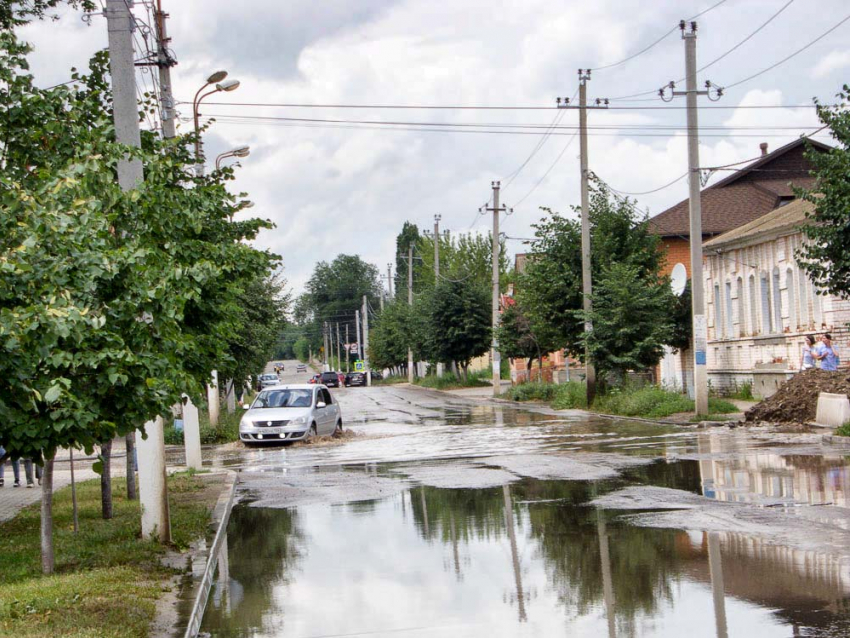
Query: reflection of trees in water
x=265, y=547
x=643, y=562
x=477, y=514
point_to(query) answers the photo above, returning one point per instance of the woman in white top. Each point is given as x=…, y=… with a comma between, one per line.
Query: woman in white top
x=807, y=362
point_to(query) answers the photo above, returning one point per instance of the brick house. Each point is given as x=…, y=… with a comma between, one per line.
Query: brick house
x=760, y=304
x=746, y=195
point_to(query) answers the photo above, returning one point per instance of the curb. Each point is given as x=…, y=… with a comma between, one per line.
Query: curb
x=221, y=512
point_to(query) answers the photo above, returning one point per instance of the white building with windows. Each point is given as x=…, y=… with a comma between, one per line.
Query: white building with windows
x=760, y=304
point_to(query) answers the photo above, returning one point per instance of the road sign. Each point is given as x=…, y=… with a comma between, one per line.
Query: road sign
x=359, y=367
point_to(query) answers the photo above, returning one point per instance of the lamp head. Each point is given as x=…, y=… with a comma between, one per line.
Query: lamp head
x=218, y=76
x=242, y=151
x=227, y=85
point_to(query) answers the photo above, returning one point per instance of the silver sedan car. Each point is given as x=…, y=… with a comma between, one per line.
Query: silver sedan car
x=290, y=413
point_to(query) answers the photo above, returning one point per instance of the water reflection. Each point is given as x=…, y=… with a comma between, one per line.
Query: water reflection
x=531, y=559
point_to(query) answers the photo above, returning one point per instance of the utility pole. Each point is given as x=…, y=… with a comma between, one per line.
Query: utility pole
x=357, y=330
x=390, y=278
x=700, y=333
x=366, y=341
x=325, y=367
x=586, y=277
x=151, y=451
x=437, y=219
x=165, y=61
x=338, y=352
x=347, y=351
x=494, y=348
x=410, y=303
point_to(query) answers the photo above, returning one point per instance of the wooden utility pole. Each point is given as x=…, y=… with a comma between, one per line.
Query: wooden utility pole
x=125, y=109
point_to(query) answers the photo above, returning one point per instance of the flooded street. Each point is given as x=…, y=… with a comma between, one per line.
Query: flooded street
x=448, y=516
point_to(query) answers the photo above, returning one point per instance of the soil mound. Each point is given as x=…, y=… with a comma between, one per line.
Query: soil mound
x=796, y=401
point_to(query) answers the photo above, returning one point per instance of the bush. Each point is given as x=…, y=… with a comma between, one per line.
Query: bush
x=477, y=379
x=844, y=430
x=533, y=391
x=652, y=402
x=744, y=392
x=226, y=431
x=570, y=396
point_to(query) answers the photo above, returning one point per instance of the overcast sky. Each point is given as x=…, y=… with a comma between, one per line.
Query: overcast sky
x=331, y=189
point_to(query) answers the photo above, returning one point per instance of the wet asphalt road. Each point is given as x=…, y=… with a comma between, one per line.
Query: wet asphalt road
x=499, y=519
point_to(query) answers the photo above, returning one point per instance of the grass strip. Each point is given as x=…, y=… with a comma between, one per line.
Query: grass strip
x=107, y=578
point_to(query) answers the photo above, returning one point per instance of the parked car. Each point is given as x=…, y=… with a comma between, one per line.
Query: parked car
x=290, y=413
x=330, y=379
x=267, y=380
x=355, y=379
x=377, y=376
x=301, y=367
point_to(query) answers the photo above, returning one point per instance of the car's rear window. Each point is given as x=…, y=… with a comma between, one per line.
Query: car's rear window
x=329, y=375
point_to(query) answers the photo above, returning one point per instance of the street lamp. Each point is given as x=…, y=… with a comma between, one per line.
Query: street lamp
x=217, y=78
x=242, y=151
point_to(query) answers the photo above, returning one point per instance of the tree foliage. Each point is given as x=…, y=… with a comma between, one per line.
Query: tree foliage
x=390, y=336
x=520, y=338
x=460, y=319
x=825, y=256
x=551, y=287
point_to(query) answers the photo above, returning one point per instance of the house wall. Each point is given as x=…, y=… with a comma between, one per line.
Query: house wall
x=759, y=306
x=677, y=250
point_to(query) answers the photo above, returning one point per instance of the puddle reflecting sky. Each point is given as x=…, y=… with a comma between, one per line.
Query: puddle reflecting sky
x=529, y=559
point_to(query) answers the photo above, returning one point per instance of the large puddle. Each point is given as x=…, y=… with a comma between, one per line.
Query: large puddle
x=529, y=558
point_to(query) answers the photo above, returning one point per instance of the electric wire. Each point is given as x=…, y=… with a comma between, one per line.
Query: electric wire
x=649, y=192
x=549, y=170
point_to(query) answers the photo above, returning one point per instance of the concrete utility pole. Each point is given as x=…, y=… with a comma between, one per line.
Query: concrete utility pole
x=347, y=351
x=700, y=332
x=338, y=353
x=357, y=330
x=165, y=61
x=496, y=246
x=437, y=219
x=586, y=277
x=325, y=367
x=152, y=477
x=390, y=279
x=410, y=303
x=366, y=340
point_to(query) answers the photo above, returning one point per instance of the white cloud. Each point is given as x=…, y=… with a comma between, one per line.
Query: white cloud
x=833, y=61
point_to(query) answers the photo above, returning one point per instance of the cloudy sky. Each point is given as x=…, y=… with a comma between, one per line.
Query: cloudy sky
x=347, y=187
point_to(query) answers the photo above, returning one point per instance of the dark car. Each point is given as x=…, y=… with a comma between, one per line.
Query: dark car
x=330, y=379
x=355, y=378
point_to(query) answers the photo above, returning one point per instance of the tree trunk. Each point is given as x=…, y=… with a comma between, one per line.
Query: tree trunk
x=106, y=479
x=130, y=446
x=47, y=516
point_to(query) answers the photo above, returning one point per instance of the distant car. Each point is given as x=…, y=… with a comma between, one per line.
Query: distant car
x=290, y=413
x=301, y=367
x=355, y=379
x=267, y=380
x=377, y=376
x=330, y=379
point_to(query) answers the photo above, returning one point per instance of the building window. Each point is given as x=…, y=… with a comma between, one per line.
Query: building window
x=777, y=301
x=717, y=322
x=753, y=313
x=804, y=300
x=793, y=323
x=730, y=331
x=766, y=319
x=742, y=329
x=817, y=307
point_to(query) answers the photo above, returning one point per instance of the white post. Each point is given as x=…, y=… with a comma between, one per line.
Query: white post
x=153, y=488
x=366, y=341
x=212, y=398
x=192, y=434
x=230, y=396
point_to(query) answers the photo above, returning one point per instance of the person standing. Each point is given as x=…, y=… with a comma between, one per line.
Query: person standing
x=826, y=353
x=807, y=361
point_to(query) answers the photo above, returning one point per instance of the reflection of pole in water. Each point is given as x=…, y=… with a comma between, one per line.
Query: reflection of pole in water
x=607, y=583
x=509, y=520
x=455, y=551
x=424, y=512
x=500, y=417
x=716, y=569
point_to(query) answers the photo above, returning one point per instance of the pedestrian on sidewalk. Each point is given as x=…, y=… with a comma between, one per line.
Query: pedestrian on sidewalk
x=807, y=361
x=826, y=353
x=16, y=468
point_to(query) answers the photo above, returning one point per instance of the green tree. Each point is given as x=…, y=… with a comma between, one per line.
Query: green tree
x=389, y=339
x=519, y=338
x=825, y=256
x=302, y=348
x=551, y=287
x=409, y=236
x=460, y=319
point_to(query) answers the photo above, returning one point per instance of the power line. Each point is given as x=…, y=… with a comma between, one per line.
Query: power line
x=548, y=170
x=654, y=190
x=785, y=59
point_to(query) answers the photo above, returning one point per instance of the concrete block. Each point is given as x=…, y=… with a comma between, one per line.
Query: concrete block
x=833, y=410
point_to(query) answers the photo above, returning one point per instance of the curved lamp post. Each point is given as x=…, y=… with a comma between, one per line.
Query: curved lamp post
x=242, y=151
x=218, y=79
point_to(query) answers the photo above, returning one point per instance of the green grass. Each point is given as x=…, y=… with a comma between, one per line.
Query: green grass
x=226, y=431
x=844, y=430
x=650, y=402
x=744, y=392
x=449, y=381
x=390, y=380
x=107, y=579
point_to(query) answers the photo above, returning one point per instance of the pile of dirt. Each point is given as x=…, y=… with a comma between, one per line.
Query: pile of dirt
x=796, y=401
